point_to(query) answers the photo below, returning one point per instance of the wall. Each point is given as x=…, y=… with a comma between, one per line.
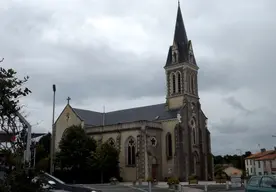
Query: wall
x=259, y=167
x=175, y=102
x=114, y=132
x=124, y=131
x=168, y=126
x=62, y=123
x=250, y=166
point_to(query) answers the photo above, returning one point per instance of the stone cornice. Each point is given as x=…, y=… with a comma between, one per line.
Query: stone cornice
x=167, y=120
x=123, y=127
x=184, y=65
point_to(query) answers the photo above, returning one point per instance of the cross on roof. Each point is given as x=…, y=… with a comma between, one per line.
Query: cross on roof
x=68, y=100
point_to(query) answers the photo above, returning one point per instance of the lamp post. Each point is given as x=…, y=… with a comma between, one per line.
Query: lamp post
x=53, y=132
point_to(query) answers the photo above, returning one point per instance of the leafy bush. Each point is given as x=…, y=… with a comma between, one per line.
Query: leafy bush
x=172, y=181
x=20, y=180
x=218, y=176
x=193, y=177
x=149, y=179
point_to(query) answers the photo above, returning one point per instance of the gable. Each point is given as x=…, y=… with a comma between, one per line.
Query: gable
x=148, y=113
x=67, y=110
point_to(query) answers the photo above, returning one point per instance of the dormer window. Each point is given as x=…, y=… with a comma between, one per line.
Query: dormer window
x=174, y=54
x=191, y=58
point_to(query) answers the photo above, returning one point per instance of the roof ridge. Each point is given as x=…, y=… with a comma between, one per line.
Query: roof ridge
x=86, y=110
x=119, y=109
x=136, y=107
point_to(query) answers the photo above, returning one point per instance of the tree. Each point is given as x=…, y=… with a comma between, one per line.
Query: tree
x=247, y=154
x=75, y=146
x=11, y=90
x=105, y=159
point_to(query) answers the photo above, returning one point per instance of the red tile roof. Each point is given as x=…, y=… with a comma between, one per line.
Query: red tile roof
x=260, y=154
x=267, y=157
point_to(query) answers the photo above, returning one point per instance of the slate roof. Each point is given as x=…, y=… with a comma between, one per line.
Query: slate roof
x=181, y=39
x=148, y=113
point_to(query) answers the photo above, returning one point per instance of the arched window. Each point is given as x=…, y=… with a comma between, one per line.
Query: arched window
x=174, y=55
x=173, y=83
x=194, y=136
x=193, y=126
x=169, y=145
x=192, y=83
x=130, y=151
x=178, y=82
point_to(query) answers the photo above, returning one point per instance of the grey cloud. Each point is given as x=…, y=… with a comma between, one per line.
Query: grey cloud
x=94, y=75
x=236, y=104
x=245, y=130
x=241, y=47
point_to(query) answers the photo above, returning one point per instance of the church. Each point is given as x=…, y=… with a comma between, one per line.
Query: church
x=164, y=140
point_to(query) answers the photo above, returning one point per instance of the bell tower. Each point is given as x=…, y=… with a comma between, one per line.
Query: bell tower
x=181, y=68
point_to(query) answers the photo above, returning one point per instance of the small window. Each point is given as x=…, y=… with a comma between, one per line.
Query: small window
x=254, y=181
x=173, y=83
x=267, y=182
x=169, y=145
x=259, y=164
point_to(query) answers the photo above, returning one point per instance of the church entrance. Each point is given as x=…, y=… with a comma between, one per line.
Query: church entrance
x=154, y=168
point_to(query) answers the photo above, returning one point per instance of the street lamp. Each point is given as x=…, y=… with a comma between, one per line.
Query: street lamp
x=53, y=132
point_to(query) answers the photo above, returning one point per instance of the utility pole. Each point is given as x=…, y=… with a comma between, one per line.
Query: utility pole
x=52, y=151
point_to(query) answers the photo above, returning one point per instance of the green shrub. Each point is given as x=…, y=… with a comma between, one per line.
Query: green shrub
x=193, y=177
x=172, y=181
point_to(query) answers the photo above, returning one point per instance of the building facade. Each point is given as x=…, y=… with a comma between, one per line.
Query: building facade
x=261, y=163
x=162, y=140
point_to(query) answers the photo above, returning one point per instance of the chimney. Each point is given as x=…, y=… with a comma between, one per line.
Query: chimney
x=263, y=150
x=275, y=148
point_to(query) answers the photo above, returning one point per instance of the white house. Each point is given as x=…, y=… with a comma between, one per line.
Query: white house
x=267, y=164
x=255, y=165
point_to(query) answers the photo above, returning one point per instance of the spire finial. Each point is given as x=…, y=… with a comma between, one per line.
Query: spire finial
x=178, y=3
x=68, y=100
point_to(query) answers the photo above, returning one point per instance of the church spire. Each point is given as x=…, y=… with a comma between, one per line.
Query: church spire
x=179, y=51
x=180, y=35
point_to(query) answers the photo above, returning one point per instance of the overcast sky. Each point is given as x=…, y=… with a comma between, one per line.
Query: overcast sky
x=112, y=53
